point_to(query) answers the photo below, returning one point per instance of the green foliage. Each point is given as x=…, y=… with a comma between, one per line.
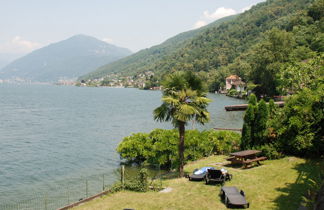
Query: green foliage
x=300, y=127
x=254, y=45
x=272, y=109
x=159, y=147
x=267, y=58
x=133, y=147
x=151, y=59
x=316, y=11
x=253, y=100
x=255, y=125
x=233, y=92
x=183, y=100
x=298, y=75
x=248, y=127
x=260, y=123
x=139, y=183
x=270, y=151
x=143, y=180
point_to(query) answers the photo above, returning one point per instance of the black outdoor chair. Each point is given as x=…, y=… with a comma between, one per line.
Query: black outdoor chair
x=233, y=197
x=214, y=175
x=199, y=174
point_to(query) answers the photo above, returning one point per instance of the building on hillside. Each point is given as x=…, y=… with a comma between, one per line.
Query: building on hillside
x=235, y=82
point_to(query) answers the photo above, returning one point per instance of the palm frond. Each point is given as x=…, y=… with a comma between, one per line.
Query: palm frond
x=187, y=109
x=170, y=100
x=162, y=113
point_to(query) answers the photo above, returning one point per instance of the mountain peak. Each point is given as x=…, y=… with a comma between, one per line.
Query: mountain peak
x=69, y=58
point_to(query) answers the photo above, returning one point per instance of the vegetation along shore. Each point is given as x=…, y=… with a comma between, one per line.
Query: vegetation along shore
x=277, y=49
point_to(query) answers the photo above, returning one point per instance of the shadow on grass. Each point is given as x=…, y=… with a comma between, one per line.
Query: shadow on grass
x=302, y=191
x=171, y=175
x=239, y=166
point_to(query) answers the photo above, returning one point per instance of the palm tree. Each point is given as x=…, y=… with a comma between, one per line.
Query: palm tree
x=184, y=99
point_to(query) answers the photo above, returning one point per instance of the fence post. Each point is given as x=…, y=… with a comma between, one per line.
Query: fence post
x=122, y=175
x=45, y=201
x=160, y=176
x=68, y=195
x=103, y=182
x=86, y=187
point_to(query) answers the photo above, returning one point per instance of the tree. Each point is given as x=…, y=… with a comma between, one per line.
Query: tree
x=316, y=11
x=298, y=75
x=267, y=58
x=248, y=124
x=261, y=119
x=255, y=123
x=300, y=126
x=184, y=99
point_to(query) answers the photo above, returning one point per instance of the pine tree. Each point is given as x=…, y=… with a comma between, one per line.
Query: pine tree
x=247, y=135
x=261, y=119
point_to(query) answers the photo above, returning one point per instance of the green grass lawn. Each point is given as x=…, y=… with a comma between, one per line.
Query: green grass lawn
x=277, y=184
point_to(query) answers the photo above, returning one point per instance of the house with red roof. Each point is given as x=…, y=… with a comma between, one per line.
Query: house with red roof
x=235, y=82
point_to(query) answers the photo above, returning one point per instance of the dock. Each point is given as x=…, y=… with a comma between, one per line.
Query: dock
x=242, y=107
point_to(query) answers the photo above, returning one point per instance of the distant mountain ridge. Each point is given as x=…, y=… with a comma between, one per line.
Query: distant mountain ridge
x=67, y=59
x=145, y=59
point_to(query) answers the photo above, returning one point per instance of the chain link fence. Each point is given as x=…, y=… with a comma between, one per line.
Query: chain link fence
x=60, y=194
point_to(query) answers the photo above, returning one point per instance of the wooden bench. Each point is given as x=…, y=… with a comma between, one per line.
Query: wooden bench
x=234, y=160
x=250, y=161
x=230, y=158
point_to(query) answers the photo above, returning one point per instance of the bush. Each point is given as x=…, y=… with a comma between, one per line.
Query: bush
x=300, y=127
x=232, y=92
x=139, y=183
x=270, y=151
x=160, y=147
x=143, y=180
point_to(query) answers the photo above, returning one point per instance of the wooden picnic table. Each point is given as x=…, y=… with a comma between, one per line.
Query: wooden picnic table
x=246, y=157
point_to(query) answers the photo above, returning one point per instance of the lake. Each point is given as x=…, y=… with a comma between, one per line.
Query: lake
x=53, y=138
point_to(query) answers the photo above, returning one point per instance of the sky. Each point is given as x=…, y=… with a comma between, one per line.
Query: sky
x=133, y=24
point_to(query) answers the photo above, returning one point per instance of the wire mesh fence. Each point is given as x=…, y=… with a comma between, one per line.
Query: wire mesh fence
x=66, y=192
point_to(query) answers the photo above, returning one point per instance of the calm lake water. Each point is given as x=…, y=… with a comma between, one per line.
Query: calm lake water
x=52, y=136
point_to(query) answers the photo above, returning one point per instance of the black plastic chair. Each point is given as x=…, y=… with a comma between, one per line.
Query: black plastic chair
x=214, y=175
x=233, y=197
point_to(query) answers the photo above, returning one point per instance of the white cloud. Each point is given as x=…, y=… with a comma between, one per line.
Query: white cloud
x=108, y=40
x=200, y=23
x=18, y=45
x=208, y=17
x=219, y=13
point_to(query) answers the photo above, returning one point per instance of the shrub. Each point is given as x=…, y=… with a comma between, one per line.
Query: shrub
x=232, y=92
x=270, y=151
x=139, y=183
x=160, y=146
x=300, y=126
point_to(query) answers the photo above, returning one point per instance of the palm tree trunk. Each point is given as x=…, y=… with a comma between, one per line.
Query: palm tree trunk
x=181, y=147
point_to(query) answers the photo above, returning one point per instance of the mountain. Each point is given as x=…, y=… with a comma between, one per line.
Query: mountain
x=5, y=59
x=146, y=59
x=256, y=45
x=66, y=59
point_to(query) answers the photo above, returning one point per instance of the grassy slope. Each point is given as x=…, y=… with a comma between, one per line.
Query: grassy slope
x=277, y=184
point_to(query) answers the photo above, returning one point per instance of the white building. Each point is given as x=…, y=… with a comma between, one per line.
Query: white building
x=235, y=82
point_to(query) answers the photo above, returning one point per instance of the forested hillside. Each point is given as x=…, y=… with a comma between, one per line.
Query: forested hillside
x=261, y=46
x=146, y=60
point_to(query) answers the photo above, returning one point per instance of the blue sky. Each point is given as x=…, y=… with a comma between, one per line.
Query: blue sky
x=134, y=24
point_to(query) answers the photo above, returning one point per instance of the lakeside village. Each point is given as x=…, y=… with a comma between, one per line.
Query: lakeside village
x=234, y=86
